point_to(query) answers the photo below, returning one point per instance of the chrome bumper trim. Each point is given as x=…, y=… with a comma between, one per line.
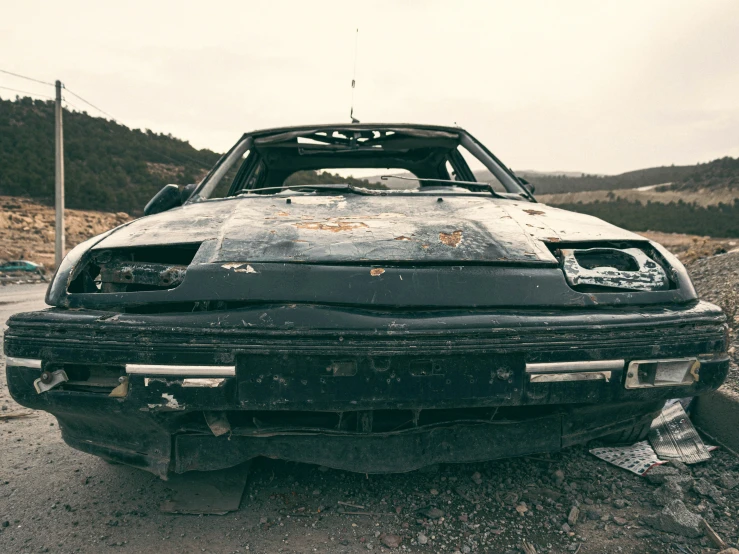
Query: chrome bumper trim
x=182, y=370
x=573, y=367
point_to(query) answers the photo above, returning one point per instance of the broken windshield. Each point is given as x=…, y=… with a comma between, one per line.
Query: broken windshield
x=393, y=158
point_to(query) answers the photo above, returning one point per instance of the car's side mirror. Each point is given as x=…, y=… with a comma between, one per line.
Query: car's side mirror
x=166, y=199
x=528, y=186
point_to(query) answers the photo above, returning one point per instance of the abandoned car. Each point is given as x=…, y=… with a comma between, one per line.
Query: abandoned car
x=434, y=312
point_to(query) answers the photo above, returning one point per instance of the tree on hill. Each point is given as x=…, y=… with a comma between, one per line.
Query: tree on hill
x=108, y=166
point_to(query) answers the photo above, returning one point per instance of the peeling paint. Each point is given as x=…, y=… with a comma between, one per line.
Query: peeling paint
x=377, y=271
x=332, y=226
x=238, y=267
x=451, y=239
x=534, y=212
x=171, y=402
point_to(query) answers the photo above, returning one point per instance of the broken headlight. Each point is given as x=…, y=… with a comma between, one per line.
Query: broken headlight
x=604, y=269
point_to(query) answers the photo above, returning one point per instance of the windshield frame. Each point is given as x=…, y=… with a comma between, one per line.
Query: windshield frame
x=502, y=173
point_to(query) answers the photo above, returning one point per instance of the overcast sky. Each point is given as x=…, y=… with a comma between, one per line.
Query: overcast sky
x=594, y=86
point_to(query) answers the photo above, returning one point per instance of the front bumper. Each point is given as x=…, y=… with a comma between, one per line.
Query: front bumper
x=359, y=390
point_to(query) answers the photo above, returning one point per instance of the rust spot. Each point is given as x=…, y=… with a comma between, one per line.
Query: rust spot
x=553, y=239
x=451, y=239
x=282, y=214
x=377, y=271
x=332, y=226
x=401, y=237
x=534, y=212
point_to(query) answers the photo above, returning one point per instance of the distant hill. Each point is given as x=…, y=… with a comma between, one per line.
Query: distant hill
x=718, y=174
x=107, y=165
x=686, y=177
x=553, y=184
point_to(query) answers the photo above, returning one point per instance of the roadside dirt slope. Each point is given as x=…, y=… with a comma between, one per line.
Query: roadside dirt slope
x=27, y=229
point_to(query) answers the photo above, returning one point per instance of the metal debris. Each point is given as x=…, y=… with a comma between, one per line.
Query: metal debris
x=637, y=458
x=674, y=438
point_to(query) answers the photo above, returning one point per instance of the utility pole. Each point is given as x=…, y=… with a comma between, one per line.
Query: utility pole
x=59, y=178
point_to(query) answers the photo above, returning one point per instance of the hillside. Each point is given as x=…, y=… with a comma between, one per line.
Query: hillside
x=107, y=165
x=27, y=229
x=552, y=184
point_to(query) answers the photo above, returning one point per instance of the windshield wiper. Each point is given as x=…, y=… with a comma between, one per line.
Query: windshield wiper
x=469, y=185
x=337, y=187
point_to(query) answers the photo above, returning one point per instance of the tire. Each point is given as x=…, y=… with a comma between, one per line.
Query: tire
x=630, y=435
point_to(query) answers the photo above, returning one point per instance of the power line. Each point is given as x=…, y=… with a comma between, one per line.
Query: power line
x=70, y=104
x=89, y=103
x=28, y=78
x=28, y=92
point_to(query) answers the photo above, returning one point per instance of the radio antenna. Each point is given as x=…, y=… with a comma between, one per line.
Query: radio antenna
x=354, y=76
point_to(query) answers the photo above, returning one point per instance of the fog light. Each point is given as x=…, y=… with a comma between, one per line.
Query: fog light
x=662, y=373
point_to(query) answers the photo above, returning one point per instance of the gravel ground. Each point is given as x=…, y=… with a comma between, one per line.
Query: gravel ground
x=55, y=499
x=717, y=280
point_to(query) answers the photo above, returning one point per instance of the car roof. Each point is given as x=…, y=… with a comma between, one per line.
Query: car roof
x=357, y=126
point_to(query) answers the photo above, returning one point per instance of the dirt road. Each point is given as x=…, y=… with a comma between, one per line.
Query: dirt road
x=55, y=499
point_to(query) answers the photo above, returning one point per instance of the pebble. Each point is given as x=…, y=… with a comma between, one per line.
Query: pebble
x=620, y=503
x=391, y=541
x=728, y=481
x=573, y=515
x=422, y=539
x=621, y=521
x=559, y=477
x=431, y=513
x=477, y=478
x=676, y=518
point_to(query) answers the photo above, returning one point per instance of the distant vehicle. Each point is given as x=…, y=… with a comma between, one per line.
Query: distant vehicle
x=358, y=328
x=21, y=265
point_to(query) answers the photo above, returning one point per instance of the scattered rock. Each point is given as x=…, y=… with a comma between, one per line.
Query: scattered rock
x=573, y=515
x=657, y=475
x=566, y=528
x=643, y=533
x=728, y=481
x=559, y=477
x=620, y=521
x=522, y=508
x=422, y=539
x=391, y=541
x=668, y=492
x=729, y=551
x=593, y=515
x=676, y=518
x=706, y=488
x=620, y=503
x=431, y=512
x=477, y=478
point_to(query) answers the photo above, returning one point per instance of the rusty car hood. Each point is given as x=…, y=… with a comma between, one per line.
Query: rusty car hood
x=338, y=229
